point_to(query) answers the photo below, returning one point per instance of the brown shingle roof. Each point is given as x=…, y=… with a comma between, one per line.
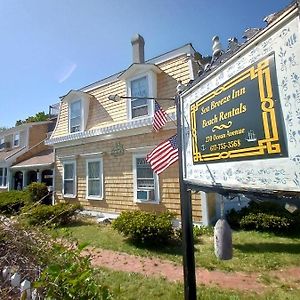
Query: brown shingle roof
x=44, y=158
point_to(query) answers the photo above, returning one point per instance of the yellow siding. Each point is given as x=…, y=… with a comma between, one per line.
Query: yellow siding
x=118, y=177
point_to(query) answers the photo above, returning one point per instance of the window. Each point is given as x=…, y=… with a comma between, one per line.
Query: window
x=2, y=144
x=75, y=116
x=146, y=182
x=94, y=179
x=3, y=177
x=69, y=179
x=16, y=139
x=139, y=88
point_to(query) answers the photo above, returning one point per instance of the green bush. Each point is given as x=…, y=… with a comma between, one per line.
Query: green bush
x=11, y=202
x=198, y=231
x=68, y=276
x=265, y=222
x=145, y=227
x=59, y=214
x=264, y=216
x=37, y=191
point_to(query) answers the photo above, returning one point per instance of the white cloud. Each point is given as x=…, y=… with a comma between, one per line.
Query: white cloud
x=66, y=72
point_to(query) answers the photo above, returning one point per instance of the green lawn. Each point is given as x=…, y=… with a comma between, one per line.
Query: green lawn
x=252, y=251
x=132, y=286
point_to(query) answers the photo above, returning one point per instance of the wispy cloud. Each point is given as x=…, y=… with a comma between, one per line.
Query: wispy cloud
x=66, y=72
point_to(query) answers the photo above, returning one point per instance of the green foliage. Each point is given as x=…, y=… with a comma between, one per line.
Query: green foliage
x=68, y=275
x=264, y=216
x=265, y=222
x=11, y=202
x=37, y=191
x=198, y=231
x=59, y=214
x=145, y=227
x=38, y=117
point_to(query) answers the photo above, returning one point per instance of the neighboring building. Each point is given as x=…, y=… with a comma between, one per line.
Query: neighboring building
x=24, y=157
x=100, y=145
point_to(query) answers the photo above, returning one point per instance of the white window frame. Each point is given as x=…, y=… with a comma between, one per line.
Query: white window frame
x=67, y=162
x=2, y=182
x=14, y=139
x=152, y=90
x=156, y=182
x=81, y=115
x=101, y=179
x=2, y=142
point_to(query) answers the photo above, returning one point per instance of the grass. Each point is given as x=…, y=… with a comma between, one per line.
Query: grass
x=132, y=286
x=252, y=251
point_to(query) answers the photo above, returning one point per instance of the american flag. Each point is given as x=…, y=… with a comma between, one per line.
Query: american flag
x=159, y=118
x=165, y=154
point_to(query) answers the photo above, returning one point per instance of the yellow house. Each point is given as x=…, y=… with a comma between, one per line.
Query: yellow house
x=100, y=145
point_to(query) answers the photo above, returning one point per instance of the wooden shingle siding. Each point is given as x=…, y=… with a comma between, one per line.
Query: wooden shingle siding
x=118, y=177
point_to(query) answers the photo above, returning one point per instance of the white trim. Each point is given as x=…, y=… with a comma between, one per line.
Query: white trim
x=67, y=157
x=31, y=166
x=91, y=154
x=141, y=149
x=156, y=181
x=101, y=179
x=68, y=162
x=6, y=181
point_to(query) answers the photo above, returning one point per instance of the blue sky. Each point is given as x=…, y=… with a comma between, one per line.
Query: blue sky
x=49, y=47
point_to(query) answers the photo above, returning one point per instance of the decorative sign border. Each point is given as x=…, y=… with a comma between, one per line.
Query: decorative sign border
x=272, y=144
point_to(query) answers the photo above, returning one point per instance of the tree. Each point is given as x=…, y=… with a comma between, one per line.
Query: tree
x=38, y=117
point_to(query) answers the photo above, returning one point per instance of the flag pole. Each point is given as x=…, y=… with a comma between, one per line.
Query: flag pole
x=190, y=292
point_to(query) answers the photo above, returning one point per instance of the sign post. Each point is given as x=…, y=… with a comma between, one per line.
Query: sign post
x=186, y=219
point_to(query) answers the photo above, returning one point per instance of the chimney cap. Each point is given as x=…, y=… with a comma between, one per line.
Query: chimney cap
x=137, y=38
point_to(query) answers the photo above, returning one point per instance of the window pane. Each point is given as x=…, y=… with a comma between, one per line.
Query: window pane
x=94, y=188
x=139, y=87
x=94, y=169
x=2, y=143
x=1, y=177
x=68, y=171
x=145, y=183
x=69, y=187
x=139, y=102
x=16, y=139
x=75, y=116
x=76, y=109
x=143, y=168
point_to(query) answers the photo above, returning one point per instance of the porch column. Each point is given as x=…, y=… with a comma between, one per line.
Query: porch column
x=38, y=176
x=24, y=178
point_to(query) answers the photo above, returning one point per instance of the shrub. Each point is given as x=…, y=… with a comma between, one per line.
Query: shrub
x=265, y=222
x=11, y=202
x=145, y=227
x=70, y=276
x=198, y=231
x=37, y=191
x=59, y=214
x=263, y=216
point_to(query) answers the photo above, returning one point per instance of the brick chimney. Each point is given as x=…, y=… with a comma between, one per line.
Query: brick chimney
x=138, y=43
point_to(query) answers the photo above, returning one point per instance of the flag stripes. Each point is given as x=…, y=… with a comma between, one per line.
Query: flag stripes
x=159, y=118
x=164, y=155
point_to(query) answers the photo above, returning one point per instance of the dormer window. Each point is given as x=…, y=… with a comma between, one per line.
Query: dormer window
x=16, y=139
x=75, y=116
x=2, y=144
